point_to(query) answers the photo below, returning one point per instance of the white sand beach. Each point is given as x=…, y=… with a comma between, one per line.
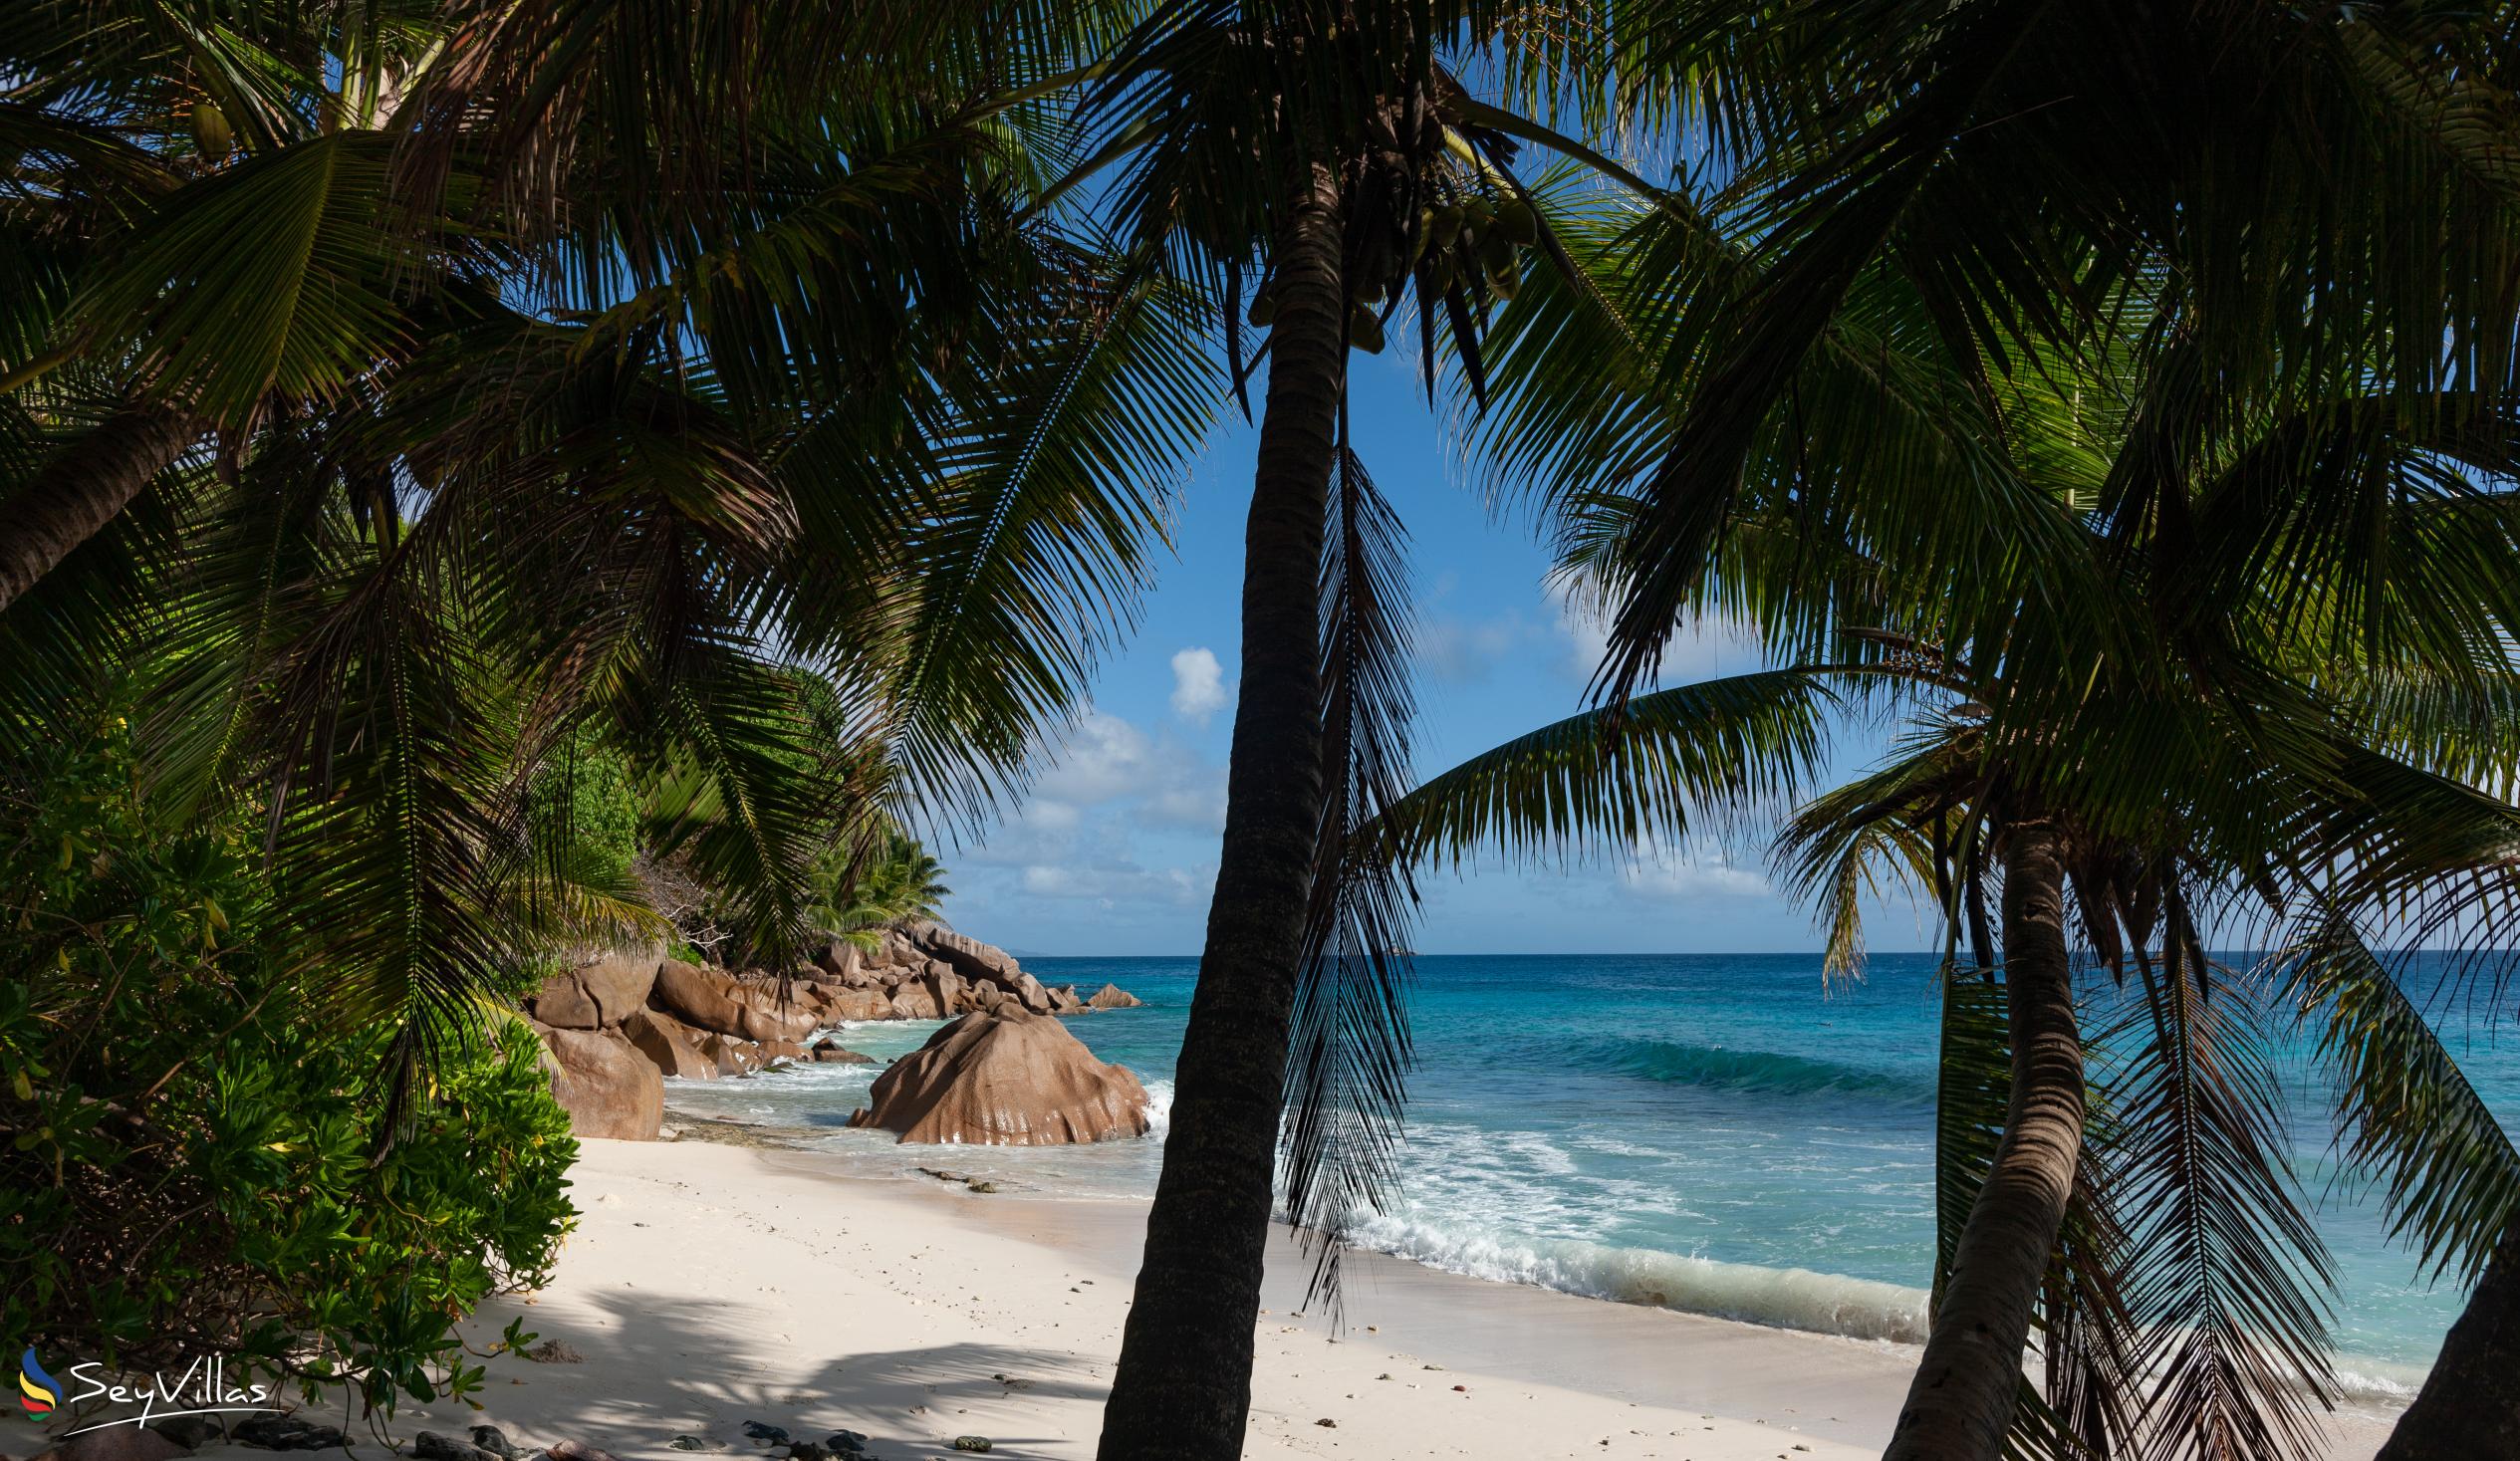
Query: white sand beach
x=712, y=1285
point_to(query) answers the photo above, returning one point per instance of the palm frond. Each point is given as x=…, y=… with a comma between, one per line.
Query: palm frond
x=1654, y=769
x=1350, y=1049
x=2225, y=1274
x=2444, y=1161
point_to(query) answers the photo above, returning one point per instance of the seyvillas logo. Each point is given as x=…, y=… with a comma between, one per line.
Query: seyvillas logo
x=202, y=1390
x=39, y=1392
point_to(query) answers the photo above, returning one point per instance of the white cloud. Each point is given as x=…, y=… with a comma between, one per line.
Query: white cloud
x=1111, y=762
x=1105, y=758
x=1112, y=885
x=1703, y=872
x=1198, y=684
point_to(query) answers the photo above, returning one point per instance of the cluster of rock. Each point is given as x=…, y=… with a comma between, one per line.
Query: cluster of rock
x=617, y=1025
x=926, y=971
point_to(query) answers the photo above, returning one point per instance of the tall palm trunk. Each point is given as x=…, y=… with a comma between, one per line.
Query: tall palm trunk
x=2470, y=1404
x=1961, y=1399
x=84, y=486
x=1183, y=1388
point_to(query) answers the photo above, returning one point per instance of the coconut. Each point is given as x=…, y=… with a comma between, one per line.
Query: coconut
x=212, y=137
x=1365, y=329
x=1496, y=252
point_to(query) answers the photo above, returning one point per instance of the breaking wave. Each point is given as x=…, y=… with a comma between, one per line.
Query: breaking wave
x=1784, y=1297
x=1756, y=1072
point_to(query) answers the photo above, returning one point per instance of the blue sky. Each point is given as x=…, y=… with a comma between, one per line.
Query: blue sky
x=1114, y=853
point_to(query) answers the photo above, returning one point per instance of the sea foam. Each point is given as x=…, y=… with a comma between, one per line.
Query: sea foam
x=1785, y=1297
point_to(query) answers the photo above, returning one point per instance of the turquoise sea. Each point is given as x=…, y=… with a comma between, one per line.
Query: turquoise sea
x=1709, y=1132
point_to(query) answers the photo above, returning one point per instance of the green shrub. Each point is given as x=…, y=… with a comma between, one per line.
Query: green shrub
x=585, y=799
x=195, y=1161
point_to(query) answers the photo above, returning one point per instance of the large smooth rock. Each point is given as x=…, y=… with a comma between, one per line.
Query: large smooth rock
x=842, y=960
x=1005, y=1079
x=915, y=1001
x=608, y=1088
x=832, y=1053
x=1113, y=997
x=673, y=1046
x=730, y=1056
x=714, y=999
x=597, y=994
x=564, y=1004
x=970, y=958
x=861, y=1005
x=618, y=983
x=1028, y=990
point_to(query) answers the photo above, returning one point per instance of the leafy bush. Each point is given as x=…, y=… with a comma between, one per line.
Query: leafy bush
x=192, y=1160
x=586, y=796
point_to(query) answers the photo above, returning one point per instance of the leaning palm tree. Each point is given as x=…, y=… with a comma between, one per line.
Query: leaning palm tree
x=2123, y=752
x=539, y=369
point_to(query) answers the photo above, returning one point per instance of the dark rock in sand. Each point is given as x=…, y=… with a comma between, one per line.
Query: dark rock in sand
x=285, y=1433
x=117, y=1443
x=189, y=1431
x=429, y=1445
x=1005, y=1079
x=495, y=1441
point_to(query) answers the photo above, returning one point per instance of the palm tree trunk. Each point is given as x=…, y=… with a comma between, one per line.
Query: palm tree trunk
x=84, y=486
x=1182, y=1392
x=1961, y=1399
x=2470, y=1405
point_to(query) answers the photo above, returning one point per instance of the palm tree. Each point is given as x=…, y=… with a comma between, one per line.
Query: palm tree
x=2119, y=751
x=1325, y=158
x=897, y=883
x=527, y=383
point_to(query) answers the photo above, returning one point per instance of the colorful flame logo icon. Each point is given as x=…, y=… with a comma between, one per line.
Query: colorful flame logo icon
x=37, y=1392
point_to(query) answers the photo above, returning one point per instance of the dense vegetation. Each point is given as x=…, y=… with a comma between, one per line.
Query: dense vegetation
x=199, y=1167
x=487, y=480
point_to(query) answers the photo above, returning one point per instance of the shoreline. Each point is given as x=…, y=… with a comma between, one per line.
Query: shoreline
x=714, y=1282
x=2369, y=1404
